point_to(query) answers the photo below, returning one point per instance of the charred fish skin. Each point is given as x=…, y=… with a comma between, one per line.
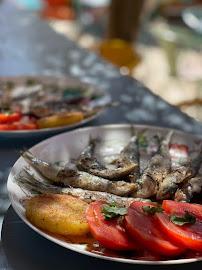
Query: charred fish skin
x=187, y=171
x=91, y=182
x=88, y=163
x=181, y=196
x=169, y=185
x=186, y=192
x=145, y=189
x=195, y=164
x=158, y=167
x=130, y=155
x=160, y=164
x=78, y=179
x=29, y=182
x=114, y=174
x=87, y=160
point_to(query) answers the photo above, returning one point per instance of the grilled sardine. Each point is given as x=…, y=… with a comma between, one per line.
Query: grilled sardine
x=157, y=169
x=78, y=179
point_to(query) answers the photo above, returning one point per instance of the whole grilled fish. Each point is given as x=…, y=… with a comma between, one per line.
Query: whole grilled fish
x=28, y=181
x=78, y=179
x=170, y=184
x=157, y=169
x=89, y=163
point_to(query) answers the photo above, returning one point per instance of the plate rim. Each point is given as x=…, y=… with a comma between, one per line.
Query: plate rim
x=73, y=246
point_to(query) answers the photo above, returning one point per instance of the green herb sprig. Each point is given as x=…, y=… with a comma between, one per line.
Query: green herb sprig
x=179, y=220
x=113, y=211
x=152, y=210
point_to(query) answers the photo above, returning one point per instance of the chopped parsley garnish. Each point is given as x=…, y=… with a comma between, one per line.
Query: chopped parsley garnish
x=72, y=93
x=112, y=211
x=179, y=220
x=152, y=210
x=142, y=141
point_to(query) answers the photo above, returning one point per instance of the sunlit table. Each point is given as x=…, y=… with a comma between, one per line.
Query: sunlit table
x=29, y=46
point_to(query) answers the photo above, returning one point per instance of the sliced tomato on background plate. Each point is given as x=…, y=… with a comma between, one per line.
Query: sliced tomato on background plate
x=9, y=116
x=18, y=126
x=179, y=208
x=143, y=227
x=7, y=127
x=188, y=235
x=110, y=234
x=22, y=124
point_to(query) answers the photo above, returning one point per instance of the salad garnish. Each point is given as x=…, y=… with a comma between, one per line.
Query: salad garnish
x=179, y=220
x=152, y=210
x=112, y=211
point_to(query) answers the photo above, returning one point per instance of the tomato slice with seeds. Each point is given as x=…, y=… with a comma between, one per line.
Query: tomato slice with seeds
x=111, y=234
x=143, y=227
x=188, y=235
x=178, y=208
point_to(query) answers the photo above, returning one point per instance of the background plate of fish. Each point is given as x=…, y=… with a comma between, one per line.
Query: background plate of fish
x=48, y=104
x=115, y=163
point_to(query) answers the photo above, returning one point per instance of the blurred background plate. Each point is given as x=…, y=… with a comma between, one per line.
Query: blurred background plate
x=92, y=97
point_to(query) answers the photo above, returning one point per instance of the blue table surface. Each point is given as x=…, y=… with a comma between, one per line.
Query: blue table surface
x=28, y=46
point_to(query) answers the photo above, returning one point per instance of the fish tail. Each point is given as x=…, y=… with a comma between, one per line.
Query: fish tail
x=25, y=178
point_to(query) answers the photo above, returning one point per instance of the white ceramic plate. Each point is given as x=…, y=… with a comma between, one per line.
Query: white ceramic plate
x=69, y=145
x=20, y=83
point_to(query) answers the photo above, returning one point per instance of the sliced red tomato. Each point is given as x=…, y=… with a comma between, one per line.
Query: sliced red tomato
x=111, y=234
x=7, y=127
x=9, y=117
x=179, y=208
x=143, y=227
x=18, y=126
x=178, y=150
x=188, y=235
